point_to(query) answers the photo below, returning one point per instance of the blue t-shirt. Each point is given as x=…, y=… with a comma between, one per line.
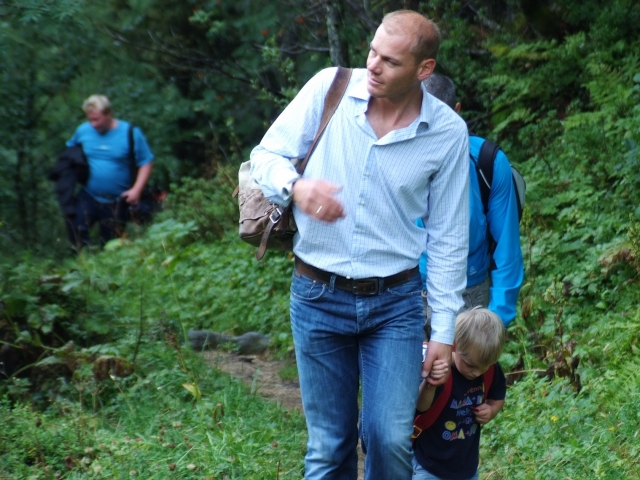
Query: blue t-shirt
x=108, y=157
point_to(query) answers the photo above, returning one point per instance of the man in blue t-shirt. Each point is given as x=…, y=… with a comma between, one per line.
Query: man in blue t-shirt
x=496, y=288
x=110, y=191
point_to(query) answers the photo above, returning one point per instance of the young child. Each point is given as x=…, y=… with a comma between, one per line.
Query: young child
x=449, y=444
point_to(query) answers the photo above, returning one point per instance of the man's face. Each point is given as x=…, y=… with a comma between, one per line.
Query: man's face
x=393, y=69
x=100, y=121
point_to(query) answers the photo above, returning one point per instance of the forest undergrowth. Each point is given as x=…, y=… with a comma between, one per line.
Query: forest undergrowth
x=97, y=379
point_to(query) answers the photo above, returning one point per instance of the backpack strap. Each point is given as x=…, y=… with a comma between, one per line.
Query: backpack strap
x=487, y=380
x=427, y=419
x=133, y=168
x=484, y=167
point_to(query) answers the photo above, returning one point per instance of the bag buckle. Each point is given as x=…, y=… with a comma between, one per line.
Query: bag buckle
x=276, y=215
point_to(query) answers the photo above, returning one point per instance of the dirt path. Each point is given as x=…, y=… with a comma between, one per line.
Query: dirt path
x=263, y=374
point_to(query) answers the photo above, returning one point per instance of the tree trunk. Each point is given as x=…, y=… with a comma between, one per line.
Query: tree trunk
x=337, y=49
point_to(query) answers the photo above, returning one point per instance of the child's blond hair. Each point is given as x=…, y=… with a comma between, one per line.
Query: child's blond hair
x=480, y=335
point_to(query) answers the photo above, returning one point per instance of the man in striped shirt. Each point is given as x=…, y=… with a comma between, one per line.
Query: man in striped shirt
x=390, y=154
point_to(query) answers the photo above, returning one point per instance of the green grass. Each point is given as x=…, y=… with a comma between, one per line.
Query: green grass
x=151, y=427
x=572, y=414
x=288, y=373
x=549, y=430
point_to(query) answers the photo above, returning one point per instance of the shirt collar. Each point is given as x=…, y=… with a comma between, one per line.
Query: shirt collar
x=359, y=91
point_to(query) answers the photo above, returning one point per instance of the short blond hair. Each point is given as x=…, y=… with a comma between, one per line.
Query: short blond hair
x=427, y=33
x=97, y=102
x=480, y=335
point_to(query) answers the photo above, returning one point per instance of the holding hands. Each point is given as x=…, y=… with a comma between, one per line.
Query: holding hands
x=439, y=370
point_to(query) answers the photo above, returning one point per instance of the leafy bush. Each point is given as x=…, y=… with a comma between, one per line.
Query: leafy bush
x=205, y=202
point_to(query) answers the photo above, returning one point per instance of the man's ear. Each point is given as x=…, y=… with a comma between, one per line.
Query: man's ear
x=426, y=68
x=458, y=107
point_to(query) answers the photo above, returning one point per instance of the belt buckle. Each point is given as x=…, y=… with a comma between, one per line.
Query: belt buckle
x=366, y=286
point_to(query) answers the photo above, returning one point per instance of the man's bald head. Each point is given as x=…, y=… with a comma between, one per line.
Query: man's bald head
x=425, y=32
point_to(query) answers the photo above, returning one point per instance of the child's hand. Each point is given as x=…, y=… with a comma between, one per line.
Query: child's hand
x=483, y=413
x=439, y=369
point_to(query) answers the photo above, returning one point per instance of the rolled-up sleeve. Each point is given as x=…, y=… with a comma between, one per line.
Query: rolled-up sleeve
x=290, y=137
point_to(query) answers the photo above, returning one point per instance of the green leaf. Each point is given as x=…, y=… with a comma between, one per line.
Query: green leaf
x=193, y=390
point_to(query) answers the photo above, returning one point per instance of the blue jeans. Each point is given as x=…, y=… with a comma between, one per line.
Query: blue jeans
x=420, y=473
x=340, y=338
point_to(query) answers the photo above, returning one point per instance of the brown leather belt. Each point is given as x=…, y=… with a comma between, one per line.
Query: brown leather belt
x=363, y=286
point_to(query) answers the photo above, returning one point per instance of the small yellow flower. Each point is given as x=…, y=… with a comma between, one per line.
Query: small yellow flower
x=554, y=418
x=611, y=429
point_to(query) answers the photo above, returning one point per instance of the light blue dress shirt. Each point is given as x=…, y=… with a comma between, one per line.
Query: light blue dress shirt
x=420, y=171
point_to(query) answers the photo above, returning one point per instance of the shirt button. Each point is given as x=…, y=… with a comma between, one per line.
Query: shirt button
x=362, y=202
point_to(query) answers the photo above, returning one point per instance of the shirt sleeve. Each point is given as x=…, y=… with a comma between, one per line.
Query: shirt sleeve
x=498, y=389
x=447, y=246
x=290, y=137
x=142, y=151
x=74, y=140
x=502, y=217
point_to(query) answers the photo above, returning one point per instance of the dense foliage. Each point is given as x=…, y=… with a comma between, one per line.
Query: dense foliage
x=556, y=83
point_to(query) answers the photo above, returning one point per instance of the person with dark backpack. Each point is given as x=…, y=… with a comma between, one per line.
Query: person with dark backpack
x=495, y=268
x=114, y=185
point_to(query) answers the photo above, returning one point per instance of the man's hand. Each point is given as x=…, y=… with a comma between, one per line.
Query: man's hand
x=131, y=196
x=317, y=198
x=436, y=352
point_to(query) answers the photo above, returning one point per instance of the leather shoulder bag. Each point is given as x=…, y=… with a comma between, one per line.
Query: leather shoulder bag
x=263, y=223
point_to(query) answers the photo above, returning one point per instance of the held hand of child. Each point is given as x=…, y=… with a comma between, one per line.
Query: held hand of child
x=439, y=369
x=436, y=351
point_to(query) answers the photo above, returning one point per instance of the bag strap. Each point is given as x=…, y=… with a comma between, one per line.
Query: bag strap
x=484, y=170
x=484, y=167
x=331, y=101
x=427, y=419
x=133, y=168
x=487, y=379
